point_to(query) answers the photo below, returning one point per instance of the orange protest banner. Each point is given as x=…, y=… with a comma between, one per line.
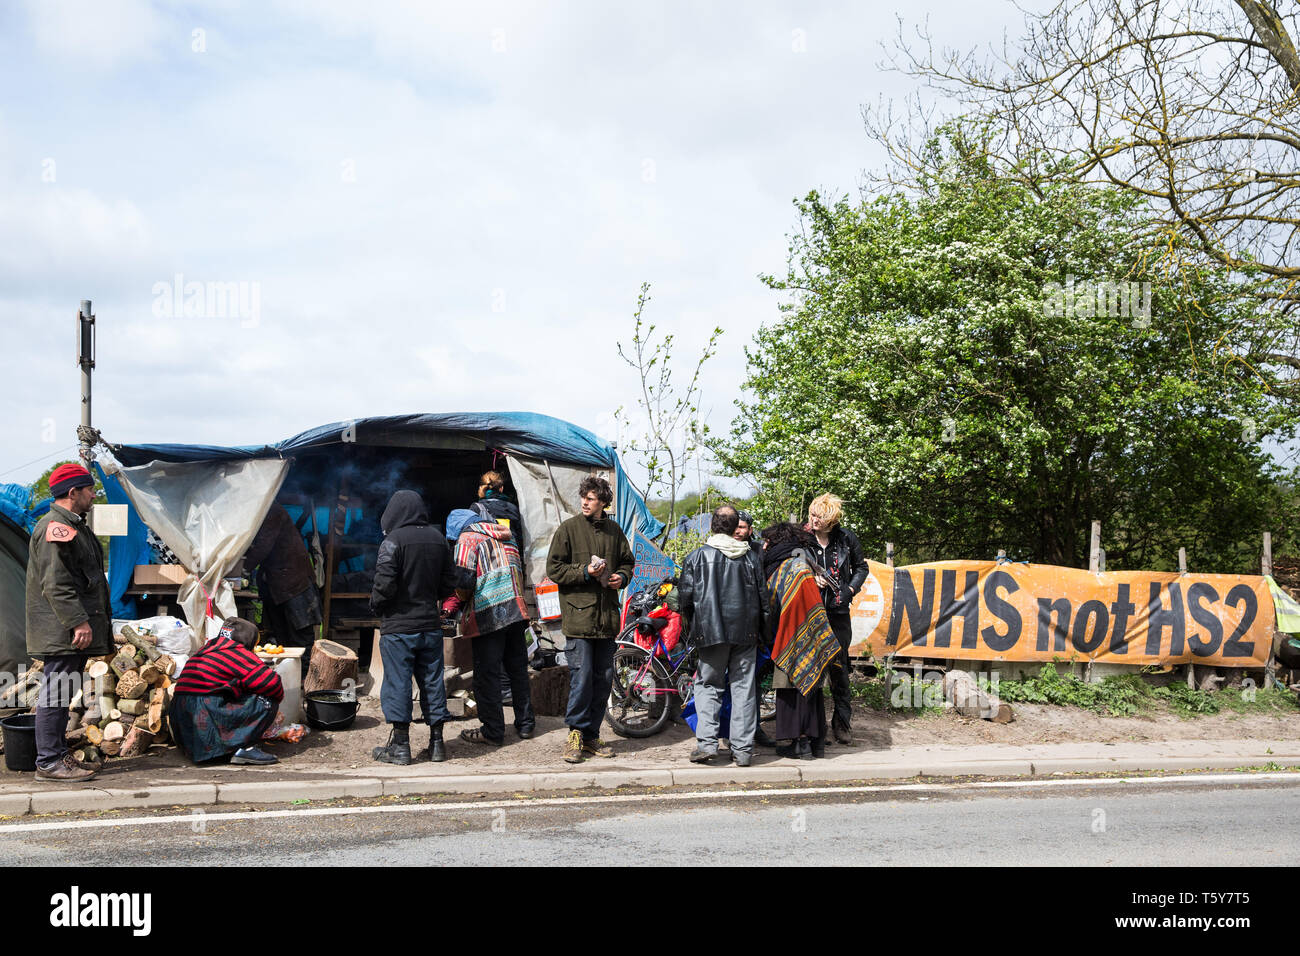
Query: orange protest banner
x=983, y=610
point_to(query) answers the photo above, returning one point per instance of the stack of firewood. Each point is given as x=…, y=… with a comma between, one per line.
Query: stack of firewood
x=121, y=710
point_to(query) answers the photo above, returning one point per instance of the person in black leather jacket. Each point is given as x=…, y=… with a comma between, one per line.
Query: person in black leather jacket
x=839, y=553
x=722, y=592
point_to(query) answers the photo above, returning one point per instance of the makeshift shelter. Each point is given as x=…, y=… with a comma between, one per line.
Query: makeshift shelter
x=16, y=522
x=205, y=502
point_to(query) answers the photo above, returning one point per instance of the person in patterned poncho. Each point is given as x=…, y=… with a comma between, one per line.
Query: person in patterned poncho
x=804, y=647
x=496, y=617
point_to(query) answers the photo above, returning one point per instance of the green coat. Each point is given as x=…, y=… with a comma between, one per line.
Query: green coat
x=587, y=609
x=66, y=587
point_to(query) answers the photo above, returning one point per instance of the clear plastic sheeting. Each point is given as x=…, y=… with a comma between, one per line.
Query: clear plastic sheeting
x=207, y=512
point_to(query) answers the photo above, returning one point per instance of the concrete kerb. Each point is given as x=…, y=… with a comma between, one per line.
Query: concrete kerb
x=344, y=787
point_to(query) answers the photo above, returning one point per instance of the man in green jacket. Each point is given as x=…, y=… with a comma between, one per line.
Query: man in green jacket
x=591, y=562
x=67, y=614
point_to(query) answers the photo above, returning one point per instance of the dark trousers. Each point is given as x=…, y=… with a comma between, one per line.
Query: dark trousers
x=838, y=672
x=60, y=681
x=502, y=656
x=591, y=672
x=294, y=622
x=418, y=657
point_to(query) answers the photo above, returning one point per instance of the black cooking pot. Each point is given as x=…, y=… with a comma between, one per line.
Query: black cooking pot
x=331, y=709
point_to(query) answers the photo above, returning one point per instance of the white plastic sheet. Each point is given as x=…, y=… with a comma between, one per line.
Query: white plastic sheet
x=207, y=512
x=548, y=494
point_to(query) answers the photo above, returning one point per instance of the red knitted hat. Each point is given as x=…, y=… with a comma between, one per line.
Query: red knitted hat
x=66, y=477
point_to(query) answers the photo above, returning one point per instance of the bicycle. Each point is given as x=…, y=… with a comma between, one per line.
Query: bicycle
x=646, y=681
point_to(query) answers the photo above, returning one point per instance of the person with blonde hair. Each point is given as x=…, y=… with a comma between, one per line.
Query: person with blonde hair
x=839, y=553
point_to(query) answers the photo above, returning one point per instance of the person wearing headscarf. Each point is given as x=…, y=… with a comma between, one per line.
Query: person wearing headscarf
x=226, y=698
x=803, y=645
x=496, y=617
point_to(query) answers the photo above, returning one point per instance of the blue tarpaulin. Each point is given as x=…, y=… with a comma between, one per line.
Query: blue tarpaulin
x=526, y=434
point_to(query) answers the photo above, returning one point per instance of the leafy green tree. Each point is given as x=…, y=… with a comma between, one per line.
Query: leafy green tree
x=989, y=362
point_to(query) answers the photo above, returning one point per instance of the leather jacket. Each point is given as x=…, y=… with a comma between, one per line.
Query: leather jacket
x=842, y=556
x=723, y=598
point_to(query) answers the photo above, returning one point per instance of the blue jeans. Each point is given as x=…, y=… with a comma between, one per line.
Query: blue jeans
x=417, y=656
x=591, y=672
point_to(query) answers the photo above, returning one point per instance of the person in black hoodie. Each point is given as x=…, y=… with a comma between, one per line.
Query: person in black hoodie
x=413, y=572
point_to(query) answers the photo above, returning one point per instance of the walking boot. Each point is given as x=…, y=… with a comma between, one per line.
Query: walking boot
x=437, y=750
x=397, y=750
x=804, y=751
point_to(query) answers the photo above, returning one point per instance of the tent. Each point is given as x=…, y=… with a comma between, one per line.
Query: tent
x=205, y=502
x=16, y=521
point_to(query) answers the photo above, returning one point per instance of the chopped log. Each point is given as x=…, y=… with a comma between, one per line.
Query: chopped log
x=157, y=707
x=166, y=663
x=139, y=643
x=106, y=684
x=122, y=663
x=74, y=723
x=150, y=673
x=92, y=716
x=127, y=720
x=88, y=754
x=120, y=638
x=111, y=747
x=136, y=742
x=331, y=665
x=114, y=731
x=75, y=735
x=94, y=735
x=162, y=736
x=96, y=669
x=131, y=686
x=970, y=701
x=133, y=707
x=107, y=704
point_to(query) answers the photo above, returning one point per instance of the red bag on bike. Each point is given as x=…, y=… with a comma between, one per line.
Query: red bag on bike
x=670, y=635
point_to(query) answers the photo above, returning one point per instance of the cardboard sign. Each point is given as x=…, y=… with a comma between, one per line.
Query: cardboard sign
x=982, y=610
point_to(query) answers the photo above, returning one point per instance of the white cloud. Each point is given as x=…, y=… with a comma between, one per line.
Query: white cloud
x=95, y=34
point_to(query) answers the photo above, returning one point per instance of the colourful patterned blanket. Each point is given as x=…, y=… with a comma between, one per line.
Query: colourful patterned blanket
x=805, y=644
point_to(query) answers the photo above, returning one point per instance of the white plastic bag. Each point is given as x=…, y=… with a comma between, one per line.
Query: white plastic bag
x=173, y=635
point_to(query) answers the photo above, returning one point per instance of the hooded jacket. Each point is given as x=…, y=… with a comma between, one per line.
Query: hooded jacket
x=414, y=569
x=723, y=593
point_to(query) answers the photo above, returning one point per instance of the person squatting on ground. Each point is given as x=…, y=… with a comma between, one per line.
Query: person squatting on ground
x=286, y=582
x=67, y=615
x=837, y=550
x=496, y=617
x=722, y=593
x=226, y=698
x=803, y=644
x=591, y=561
x=413, y=573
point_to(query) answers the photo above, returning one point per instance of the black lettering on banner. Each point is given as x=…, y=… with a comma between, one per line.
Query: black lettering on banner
x=1159, y=617
x=1002, y=610
x=1202, y=590
x=1122, y=609
x=906, y=603
x=1089, y=609
x=1241, y=594
x=968, y=608
x=1046, y=608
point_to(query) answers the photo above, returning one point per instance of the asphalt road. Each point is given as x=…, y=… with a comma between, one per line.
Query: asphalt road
x=1098, y=824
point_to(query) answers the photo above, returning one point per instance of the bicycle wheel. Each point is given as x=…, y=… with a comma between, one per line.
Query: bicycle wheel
x=639, y=693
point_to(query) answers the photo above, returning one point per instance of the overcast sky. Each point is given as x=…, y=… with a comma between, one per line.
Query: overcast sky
x=430, y=207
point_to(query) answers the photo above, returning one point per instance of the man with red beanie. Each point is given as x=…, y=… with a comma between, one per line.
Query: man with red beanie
x=67, y=614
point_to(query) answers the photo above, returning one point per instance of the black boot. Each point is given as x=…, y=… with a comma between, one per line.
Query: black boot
x=788, y=749
x=761, y=739
x=818, y=747
x=805, y=750
x=437, y=750
x=398, y=748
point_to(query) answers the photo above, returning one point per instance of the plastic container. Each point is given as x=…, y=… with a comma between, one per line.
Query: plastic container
x=290, y=671
x=20, y=742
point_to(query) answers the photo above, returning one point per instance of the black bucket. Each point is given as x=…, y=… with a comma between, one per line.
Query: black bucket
x=331, y=709
x=20, y=742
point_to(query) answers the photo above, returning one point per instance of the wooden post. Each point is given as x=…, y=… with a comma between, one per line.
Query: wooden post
x=1182, y=560
x=1094, y=548
x=889, y=553
x=1266, y=569
x=1102, y=565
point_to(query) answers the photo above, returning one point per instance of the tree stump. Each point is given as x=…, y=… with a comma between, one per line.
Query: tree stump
x=331, y=665
x=549, y=688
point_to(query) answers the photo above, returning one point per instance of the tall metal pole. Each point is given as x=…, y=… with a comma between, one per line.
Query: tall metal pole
x=86, y=362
